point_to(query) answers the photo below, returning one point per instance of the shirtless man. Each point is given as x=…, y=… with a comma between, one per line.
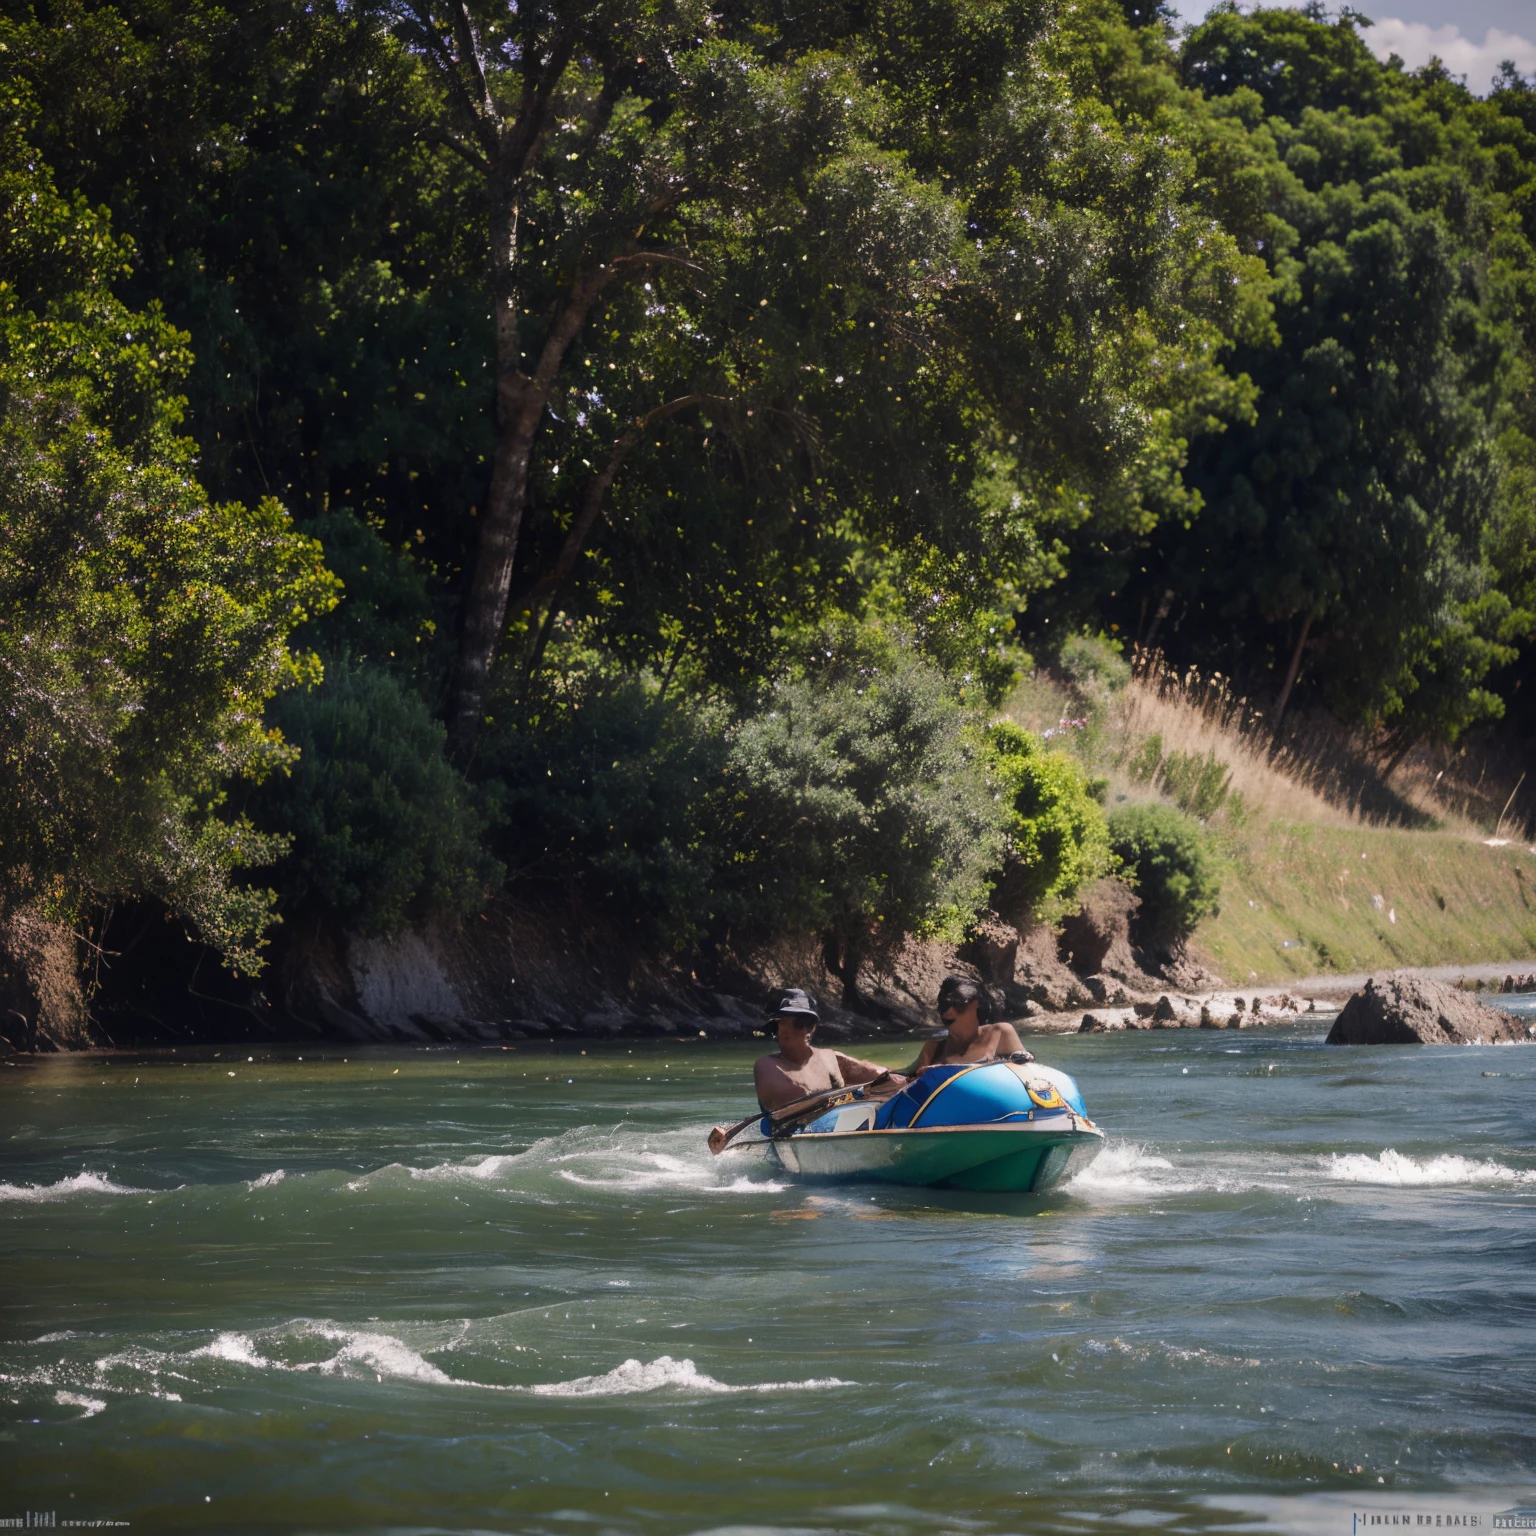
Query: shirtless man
x=964, y=1008
x=799, y=1068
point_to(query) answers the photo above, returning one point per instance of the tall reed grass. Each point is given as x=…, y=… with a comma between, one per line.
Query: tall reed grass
x=1315, y=770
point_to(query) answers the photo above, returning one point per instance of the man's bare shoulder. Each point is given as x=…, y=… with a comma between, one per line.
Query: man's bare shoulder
x=1005, y=1039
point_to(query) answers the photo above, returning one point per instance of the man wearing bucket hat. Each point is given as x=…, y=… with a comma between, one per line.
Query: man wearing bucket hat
x=799, y=1068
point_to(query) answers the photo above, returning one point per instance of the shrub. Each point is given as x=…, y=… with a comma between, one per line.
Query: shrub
x=1199, y=785
x=382, y=828
x=1057, y=838
x=385, y=613
x=1094, y=667
x=1173, y=866
x=616, y=790
x=864, y=811
x=1202, y=786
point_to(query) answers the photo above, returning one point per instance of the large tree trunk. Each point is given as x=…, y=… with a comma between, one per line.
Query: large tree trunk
x=485, y=608
x=520, y=402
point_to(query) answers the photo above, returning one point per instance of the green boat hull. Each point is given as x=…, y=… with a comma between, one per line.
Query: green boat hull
x=1029, y=1158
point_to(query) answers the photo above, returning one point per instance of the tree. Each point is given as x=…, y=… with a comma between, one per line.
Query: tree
x=142, y=629
x=1346, y=528
x=705, y=160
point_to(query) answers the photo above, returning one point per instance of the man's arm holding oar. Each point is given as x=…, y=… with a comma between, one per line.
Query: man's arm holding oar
x=797, y=1109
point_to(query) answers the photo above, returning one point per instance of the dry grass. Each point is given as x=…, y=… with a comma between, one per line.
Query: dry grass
x=1338, y=858
x=1185, y=722
x=1316, y=769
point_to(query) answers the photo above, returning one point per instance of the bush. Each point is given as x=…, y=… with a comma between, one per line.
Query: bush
x=1173, y=867
x=1094, y=667
x=864, y=811
x=1200, y=785
x=382, y=829
x=617, y=791
x=1057, y=839
x=385, y=613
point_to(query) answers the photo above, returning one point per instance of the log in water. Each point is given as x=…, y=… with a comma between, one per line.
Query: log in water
x=511, y=1291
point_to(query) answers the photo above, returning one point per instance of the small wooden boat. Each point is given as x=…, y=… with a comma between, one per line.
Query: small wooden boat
x=997, y=1125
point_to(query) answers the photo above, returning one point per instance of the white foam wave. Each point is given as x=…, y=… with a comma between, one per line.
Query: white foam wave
x=592, y=1159
x=384, y=1355
x=661, y=1170
x=381, y=1353
x=91, y=1405
x=363, y=1352
x=267, y=1180
x=650, y=1376
x=1449, y=1168
x=1127, y=1169
x=78, y=1184
x=234, y=1347
x=486, y=1169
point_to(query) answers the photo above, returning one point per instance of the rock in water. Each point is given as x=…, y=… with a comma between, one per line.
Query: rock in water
x=1400, y=1009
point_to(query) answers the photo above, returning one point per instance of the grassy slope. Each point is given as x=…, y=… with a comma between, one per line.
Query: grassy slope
x=1456, y=901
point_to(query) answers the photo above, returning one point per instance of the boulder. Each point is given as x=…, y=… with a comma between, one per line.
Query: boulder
x=1402, y=1009
x=1093, y=1025
x=611, y=1022
x=1106, y=989
x=1167, y=1014
x=1104, y=1023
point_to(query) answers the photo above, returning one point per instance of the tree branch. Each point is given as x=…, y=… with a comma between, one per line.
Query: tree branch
x=533, y=109
x=598, y=487
x=469, y=53
x=445, y=140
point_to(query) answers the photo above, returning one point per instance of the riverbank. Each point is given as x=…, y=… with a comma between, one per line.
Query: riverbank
x=1308, y=907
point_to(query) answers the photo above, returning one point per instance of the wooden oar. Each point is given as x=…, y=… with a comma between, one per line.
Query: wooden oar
x=782, y=1113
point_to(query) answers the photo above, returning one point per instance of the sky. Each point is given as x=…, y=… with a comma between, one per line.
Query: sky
x=1471, y=36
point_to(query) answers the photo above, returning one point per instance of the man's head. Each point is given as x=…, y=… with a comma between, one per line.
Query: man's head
x=795, y=1016
x=958, y=995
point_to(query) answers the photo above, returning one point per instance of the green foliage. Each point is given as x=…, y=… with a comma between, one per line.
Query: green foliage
x=1057, y=840
x=1202, y=786
x=379, y=827
x=1146, y=760
x=864, y=810
x=1173, y=866
x=1198, y=785
x=1291, y=59
x=1094, y=667
x=620, y=793
x=977, y=324
x=1356, y=515
x=142, y=629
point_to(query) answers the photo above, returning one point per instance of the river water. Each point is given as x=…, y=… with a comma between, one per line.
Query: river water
x=509, y=1291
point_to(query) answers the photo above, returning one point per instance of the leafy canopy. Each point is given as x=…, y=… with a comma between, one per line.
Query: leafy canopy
x=142, y=628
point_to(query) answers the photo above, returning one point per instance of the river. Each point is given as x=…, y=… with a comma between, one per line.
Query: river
x=292, y=1290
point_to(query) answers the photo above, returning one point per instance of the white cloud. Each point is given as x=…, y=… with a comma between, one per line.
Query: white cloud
x=1415, y=43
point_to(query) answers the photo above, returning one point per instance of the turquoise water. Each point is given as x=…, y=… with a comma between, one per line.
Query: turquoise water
x=509, y=1291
